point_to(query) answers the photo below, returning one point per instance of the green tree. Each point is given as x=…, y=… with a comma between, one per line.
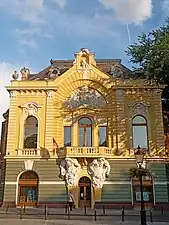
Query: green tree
x=151, y=54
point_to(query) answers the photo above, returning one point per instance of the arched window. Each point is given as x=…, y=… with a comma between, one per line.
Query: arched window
x=30, y=132
x=85, y=132
x=139, y=128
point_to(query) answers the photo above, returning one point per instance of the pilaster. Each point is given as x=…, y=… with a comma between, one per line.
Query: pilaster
x=120, y=118
x=11, y=137
x=158, y=121
x=49, y=121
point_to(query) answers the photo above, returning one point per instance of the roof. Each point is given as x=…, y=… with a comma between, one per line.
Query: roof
x=105, y=65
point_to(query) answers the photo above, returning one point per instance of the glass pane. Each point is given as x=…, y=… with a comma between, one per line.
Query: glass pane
x=81, y=193
x=30, y=132
x=81, y=136
x=102, y=136
x=140, y=136
x=147, y=194
x=89, y=136
x=30, y=193
x=67, y=136
x=88, y=192
x=138, y=120
x=85, y=121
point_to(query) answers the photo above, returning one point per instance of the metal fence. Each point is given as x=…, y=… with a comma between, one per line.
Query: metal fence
x=50, y=213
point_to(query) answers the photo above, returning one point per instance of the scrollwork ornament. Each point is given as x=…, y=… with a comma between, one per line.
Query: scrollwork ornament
x=12, y=94
x=49, y=93
x=120, y=92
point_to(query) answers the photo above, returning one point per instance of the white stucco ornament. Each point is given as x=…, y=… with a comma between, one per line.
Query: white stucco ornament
x=30, y=108
x=28, y=164
x=99, y=170
x=69, y=169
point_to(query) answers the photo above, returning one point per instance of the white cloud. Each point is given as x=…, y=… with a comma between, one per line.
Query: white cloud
x=31, y=11
x=61, y=3
x=28, y=36
x=129, y=11
x=6, y=71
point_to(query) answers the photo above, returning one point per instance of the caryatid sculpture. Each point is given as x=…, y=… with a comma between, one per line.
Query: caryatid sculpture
x=99, y=170
x=69, y=169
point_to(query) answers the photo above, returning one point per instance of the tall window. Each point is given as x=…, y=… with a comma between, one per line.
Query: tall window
x=140, y=136
x=103, y=136
x=67, y=136
x=30, y=132
x=85, y=132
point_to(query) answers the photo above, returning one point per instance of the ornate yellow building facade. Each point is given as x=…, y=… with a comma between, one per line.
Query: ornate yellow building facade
x=74, y=127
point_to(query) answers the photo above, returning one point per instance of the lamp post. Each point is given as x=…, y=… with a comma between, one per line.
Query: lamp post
x=139, y=155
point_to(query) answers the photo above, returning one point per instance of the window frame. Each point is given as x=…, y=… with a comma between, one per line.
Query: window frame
x=70, y=136
x=145, y=124
x=106, y=145
x=85, y=135
x=37, y=131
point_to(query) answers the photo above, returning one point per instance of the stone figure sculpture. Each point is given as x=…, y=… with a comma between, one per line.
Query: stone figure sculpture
x=69, y=168
x=99, y=170
x=25, y=72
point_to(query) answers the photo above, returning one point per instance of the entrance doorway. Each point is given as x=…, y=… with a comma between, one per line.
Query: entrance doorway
x=84, y=192
x=28, y=189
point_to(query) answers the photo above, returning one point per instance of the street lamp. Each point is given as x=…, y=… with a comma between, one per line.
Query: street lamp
x=139, y=155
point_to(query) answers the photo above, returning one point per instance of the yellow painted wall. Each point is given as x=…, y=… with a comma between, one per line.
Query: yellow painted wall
x=118, y=93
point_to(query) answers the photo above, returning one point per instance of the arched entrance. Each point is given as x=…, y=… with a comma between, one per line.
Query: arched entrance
x=84, y=192
x=28, y=189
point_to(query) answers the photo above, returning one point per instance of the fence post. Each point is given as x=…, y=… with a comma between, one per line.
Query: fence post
x=21, y=212
x=162, y=210
x=151, y=216
x=104, y=210
x=24, y=207
x=85, y=209
x=7, y=207
x=122, y=214
x=66, y=208
x=46, y=212
x=68, y=213
x=95, y=215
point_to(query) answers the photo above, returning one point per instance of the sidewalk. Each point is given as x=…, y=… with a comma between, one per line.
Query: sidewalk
x=67, y=222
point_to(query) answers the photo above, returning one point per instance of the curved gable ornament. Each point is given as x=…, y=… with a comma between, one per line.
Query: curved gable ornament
x=85, y=97
x=30, y=108
x=139, y=108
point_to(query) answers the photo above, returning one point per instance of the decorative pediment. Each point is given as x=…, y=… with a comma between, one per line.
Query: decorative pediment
x=30, y=108
x=85, y=97
x=139, y=108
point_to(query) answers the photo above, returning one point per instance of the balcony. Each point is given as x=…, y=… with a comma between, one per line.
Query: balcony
x=28, y=152
x=91, y=152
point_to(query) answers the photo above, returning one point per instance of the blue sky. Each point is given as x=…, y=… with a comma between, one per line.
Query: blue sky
x=34, y=31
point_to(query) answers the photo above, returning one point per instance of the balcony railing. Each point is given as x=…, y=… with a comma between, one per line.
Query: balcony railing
x=28, y=152
x=85, y=152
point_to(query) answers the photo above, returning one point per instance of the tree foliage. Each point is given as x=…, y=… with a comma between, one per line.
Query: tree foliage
x=151, y=54
x=137, y=172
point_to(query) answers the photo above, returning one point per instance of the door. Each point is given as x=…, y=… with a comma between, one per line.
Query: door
x=84, y=192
